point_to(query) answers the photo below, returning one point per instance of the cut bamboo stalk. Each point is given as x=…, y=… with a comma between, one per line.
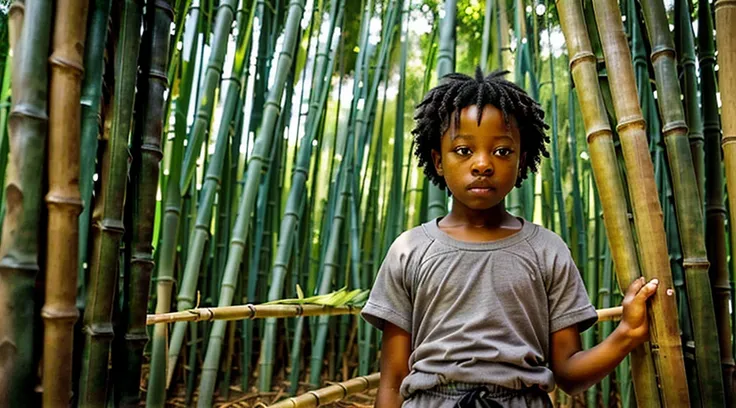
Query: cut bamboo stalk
x=107, y=215
x=333, y=393
x=604, y=164
x=246, y=312
x=249, y=312
x=665, y=332
x=141, y=205
x=19, y=249
x=688, y=204
x=63, y=200
x=715, y=210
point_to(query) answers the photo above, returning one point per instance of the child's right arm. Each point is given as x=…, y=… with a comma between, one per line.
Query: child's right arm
x=395, y=350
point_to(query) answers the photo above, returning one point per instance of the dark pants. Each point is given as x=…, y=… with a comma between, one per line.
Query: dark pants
x=478, y=396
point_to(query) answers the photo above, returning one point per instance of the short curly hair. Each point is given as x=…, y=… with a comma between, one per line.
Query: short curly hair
x=457, y=91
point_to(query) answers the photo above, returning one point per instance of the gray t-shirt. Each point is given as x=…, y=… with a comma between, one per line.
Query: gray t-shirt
x=479, y=312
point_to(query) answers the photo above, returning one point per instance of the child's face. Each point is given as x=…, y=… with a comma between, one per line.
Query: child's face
x=480, y=164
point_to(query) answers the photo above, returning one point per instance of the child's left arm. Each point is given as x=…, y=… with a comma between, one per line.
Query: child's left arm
x=575, y=369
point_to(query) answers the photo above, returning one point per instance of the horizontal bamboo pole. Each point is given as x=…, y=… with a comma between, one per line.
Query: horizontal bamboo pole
x=330, y=394
x=246, y=312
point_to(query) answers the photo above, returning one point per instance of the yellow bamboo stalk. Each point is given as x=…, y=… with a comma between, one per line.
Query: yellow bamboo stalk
x=246, y=312
x=330, y=394
x=605, y=171
x=63, y=200
x=648, y=219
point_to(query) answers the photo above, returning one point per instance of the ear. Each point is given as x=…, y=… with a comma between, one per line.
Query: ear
x=437, y=160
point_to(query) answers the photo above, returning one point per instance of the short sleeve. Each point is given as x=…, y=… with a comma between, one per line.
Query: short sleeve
x=567, y=299
x=390, y=299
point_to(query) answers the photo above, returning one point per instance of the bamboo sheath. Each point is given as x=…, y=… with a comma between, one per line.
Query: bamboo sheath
x=63, y=200
x=333, y=393
x=665, y=331
x=604, y=164
x=688, y=204
x=249, y=311
x=19, y=247
x=715, y=210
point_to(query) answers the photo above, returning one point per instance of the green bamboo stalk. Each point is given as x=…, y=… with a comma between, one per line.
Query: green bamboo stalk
x=19, y=250
x=260, y=150
x=90, y=100
x=200, y=234
x=107, y=216
x=324, y=68
x=486, y=39
x=688, y=204
x=646, y=207
x=157, y=383
x=437, y=199
x=715, y=210
x=686, y=59
x=564, y=232
x=605, y=170
x=141, y=204
x=63, y=200
x=223, y=23
x=12, y=22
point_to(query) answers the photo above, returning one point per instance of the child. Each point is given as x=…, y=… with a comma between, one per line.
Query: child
x=480, y=308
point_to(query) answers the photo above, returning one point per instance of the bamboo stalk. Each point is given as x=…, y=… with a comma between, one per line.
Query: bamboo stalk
x=437, y=199
x=108, y=212
x=141, y=205
x=687, y=202
x=19, y=252
x=604, y=164
x=91, y=99
x=63, y=200
x=250, y=312
x=715, y=210
x=242, y=223
x=666, y=344
x=333, y=393
x=172, y=208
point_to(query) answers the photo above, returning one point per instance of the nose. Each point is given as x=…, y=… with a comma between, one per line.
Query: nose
x=482, y=166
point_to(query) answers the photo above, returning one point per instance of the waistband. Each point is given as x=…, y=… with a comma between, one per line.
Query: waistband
x=455, y=389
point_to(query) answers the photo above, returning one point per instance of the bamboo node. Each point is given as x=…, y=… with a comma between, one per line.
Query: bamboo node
x=727, y=140
x=724, y=4
x=601, y=130
x=661, y=51
x=225, y=4
x=581, y=56
x=164, y=5
x=630, y=121
x=71, y=203
x=70, y=314
x=316, y=396
x=160, y=75
x=71, y=66
x=674, y=127
x=695, y=263
x=29, y=111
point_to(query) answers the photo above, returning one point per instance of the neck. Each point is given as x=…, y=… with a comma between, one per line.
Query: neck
x=495, y=216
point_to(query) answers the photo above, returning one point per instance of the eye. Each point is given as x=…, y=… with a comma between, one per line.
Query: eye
x=503, y=152
x=463, y=151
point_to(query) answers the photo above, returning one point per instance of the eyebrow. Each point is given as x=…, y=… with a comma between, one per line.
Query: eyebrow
x=471, y=137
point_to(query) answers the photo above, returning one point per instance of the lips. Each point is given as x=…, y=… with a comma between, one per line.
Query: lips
x=480, y=184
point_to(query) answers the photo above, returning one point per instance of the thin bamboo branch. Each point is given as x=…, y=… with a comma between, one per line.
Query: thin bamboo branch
x=63, y=200
x=333, y=393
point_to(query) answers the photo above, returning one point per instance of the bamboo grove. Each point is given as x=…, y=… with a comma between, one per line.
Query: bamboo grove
x=170, y=166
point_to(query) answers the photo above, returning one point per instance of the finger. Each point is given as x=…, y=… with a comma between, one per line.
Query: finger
x=634, y=288
x=648, y=290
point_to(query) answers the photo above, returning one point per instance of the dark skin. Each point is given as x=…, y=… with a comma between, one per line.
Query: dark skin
x=480, y=165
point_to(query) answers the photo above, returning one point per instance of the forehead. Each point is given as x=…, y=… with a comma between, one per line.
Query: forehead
x=491, y=122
